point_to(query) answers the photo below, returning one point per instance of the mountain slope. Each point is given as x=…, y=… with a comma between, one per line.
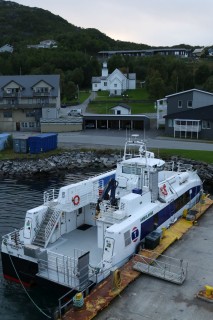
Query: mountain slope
x=21, y=25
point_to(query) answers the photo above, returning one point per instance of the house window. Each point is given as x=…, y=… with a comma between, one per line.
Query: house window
x=24, y=124
x=115, y=85
x=105, y=84
x=30, y=114
x=95, y=85
x=31, y=124
x=7, y=114
x=118, y=111
x=189, y=104
x=180, y=104
x=206, y=124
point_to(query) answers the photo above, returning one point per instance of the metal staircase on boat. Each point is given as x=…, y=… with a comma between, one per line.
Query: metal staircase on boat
x=47, y=227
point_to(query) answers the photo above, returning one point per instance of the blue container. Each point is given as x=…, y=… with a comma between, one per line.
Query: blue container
x=20, y=145
x=43, y=142
x=137, y=190
x=3, y=140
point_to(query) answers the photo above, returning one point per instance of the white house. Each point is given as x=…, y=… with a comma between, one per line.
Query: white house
x=7, y=48
x=116, y=82
x=46, y=44
x=121, y=108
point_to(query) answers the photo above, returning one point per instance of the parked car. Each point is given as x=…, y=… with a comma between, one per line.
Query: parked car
x=75, y=112
x=90, y=126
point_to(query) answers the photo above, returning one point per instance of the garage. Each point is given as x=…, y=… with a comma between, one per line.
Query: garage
x=116, y=122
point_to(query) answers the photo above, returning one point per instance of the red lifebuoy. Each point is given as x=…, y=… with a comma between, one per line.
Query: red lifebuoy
x=76, y=200
x=163, y=190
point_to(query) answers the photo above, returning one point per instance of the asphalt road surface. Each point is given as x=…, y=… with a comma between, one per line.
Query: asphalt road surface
x=113, y=138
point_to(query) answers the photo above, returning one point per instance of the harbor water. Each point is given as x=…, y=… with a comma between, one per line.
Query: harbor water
x=17, y=196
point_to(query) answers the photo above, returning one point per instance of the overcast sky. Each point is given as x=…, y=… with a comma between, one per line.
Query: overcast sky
x=152, y=22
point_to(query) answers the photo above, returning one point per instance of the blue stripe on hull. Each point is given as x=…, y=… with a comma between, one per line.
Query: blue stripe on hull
x=166, y=213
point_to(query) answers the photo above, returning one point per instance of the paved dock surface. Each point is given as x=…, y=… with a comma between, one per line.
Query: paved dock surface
x=151, y=298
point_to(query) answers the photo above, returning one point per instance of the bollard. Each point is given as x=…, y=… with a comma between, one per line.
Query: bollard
x=163, y=232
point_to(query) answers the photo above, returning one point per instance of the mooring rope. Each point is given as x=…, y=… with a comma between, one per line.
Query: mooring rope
x=25, y=288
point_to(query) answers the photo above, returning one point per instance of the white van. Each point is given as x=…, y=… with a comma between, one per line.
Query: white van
x=75, y=112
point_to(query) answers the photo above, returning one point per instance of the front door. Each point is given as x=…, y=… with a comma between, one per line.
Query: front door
x=17, y=126
x=80, y=217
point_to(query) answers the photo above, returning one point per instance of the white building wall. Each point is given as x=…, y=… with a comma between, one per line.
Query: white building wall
x=49, y=113
x=132, y=84
x=121, y=110
x=96, y=87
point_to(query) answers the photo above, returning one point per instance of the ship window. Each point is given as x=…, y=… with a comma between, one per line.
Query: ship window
x=131, y=170
x=127, y=239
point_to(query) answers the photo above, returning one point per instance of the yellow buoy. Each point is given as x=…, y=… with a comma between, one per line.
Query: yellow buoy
x=203, y=198
x=185, y=212
x=209, y=290
x=163, y=232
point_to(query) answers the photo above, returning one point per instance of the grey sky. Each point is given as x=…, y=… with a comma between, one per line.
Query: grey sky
x=152, y=22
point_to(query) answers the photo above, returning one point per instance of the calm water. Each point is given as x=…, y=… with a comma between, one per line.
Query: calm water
x=16, y=196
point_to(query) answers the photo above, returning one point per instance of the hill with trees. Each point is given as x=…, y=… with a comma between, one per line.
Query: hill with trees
x=75, y=57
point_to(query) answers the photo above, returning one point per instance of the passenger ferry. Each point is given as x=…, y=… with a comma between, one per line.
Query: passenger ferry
x=82, y=232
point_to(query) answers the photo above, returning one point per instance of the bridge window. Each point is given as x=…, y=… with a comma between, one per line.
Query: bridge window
x=131, y=170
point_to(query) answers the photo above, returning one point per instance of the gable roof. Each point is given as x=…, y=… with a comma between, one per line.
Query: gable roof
x=129, y=76
x=28, y=81
x=190, y=90
x=203, y=113
x=123, y=105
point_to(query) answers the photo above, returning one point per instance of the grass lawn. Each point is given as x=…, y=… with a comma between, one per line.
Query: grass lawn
x=104, y=102
x=205, y=156
x=137, y=94
x=9, y=154
x=83, y=95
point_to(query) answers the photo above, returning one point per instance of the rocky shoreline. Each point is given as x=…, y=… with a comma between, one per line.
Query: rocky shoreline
x=83, y=160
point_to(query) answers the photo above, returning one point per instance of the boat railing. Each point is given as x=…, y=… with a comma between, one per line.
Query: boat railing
x=13, y=239
x=169, y=165
x=182, y=167
x=50, y=195
x=108, y=213
x=179, y=166
x=61, y=268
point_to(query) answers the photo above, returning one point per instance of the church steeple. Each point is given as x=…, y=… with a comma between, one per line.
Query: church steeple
x=104, y=70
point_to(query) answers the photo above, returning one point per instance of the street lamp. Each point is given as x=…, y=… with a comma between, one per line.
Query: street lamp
x=77, y=92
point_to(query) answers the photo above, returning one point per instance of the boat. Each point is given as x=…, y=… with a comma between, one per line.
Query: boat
x=85, y=230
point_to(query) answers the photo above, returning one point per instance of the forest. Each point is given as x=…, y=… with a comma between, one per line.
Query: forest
x=76, y=56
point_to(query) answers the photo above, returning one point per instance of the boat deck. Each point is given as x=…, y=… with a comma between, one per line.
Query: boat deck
x=70, y=241
x=106, y=291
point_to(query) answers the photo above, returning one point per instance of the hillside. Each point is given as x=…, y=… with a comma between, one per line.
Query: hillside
x=21, y=25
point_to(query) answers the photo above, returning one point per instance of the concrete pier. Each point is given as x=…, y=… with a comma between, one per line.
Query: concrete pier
x=151, y=298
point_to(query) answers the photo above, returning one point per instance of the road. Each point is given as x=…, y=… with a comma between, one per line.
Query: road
x=116, y=139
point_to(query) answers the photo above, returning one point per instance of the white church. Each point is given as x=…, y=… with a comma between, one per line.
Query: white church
x=116, y=82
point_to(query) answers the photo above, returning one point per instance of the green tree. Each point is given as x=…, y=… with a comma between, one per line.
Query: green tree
x=208, y=85
x=155, y=85
x=202, y=74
